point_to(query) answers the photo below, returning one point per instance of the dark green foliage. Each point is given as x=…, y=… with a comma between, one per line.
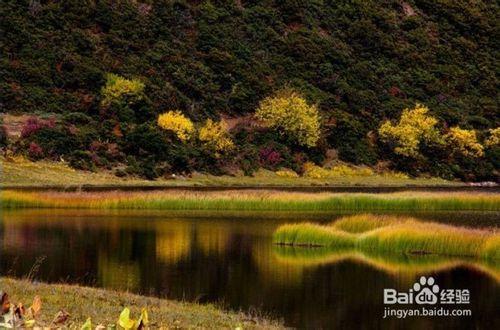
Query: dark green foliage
x=82, y=160
x=78, y=118
x=4, y=138
x=55, y=141
x=347, y=135
x=146, y=141
x=207, y=57
x=361, y=61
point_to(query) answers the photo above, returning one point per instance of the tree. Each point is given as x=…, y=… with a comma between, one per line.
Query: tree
x=215, y=137
x=464, y=142
x=415, y=126
x=177, y=123
x=289, y=112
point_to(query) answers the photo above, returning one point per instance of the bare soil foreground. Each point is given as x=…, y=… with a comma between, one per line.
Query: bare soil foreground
x=104, y=307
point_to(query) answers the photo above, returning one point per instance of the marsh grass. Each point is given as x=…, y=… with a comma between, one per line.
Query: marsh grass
x=256, y=200
x=393, y=234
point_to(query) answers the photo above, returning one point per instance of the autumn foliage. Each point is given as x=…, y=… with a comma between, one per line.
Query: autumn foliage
x=416, y=126
x=215, y=137
x=177, y=123
x=290, y=113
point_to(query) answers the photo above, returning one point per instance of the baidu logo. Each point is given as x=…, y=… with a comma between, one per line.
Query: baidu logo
x=426, y=292
x=425, y=298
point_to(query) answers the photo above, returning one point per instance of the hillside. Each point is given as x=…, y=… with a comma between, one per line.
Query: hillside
x=360, y=62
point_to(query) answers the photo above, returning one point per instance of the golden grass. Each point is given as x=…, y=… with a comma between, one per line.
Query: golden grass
x=252, y=200
x=393, y=234
x=104, y=306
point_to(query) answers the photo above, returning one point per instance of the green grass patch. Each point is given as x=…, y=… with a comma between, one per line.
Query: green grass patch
x=393, y=234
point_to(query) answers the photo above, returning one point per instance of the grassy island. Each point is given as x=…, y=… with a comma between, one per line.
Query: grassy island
x=393, y=234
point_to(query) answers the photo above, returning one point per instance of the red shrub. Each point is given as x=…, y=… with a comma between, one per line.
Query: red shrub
x=269, y=157
x=35, y=151
x=34, y=124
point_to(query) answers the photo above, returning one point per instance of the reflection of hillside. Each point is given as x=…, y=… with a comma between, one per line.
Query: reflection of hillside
x=177, y=239
x=213, y=238
x=272, y=271
x=118, y=275
x=173, y=241
x=404, y=266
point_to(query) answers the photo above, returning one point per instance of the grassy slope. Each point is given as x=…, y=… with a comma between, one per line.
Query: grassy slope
x=104, y=306
x=19, y=172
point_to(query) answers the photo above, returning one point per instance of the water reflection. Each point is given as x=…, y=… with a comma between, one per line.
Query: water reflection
x=231, y=260
x=405, y=267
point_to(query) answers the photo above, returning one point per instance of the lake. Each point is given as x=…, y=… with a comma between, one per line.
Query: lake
x=229, y=259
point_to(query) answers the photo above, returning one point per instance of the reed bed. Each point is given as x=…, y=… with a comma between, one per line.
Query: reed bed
x=393, y=234
x=258, y=200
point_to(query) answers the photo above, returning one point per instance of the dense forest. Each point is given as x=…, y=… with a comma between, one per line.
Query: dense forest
x=124, y=84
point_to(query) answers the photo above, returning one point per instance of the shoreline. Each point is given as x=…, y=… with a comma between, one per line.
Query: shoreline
x=104, y=307
x=284, y=188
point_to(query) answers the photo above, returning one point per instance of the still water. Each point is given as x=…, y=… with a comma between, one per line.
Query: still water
x=229, y=259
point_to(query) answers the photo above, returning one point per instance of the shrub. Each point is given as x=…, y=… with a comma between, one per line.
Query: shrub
x=316, y=172
x=269, y=157
x=82, y=160
x=177, y=123
x=289, y=112
x=464, y=142
x=35, y=152
x=415, y=127
x=78, y=118
x=215, y=137
x=146, y=141
x=4, y=137
x=494, y=139
x=34, y=124
x=55, y=141
x=121, y=89
x=346, y=133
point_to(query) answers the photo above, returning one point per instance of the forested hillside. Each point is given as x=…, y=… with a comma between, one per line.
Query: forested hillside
x=96, y=75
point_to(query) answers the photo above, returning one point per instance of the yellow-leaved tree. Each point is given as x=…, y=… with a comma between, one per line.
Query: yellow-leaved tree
x=215, y=137
x=494, y=139
x=414, y=127
x=289, y=112
x=177, y=123
x=118, y=88
x=464, y=142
